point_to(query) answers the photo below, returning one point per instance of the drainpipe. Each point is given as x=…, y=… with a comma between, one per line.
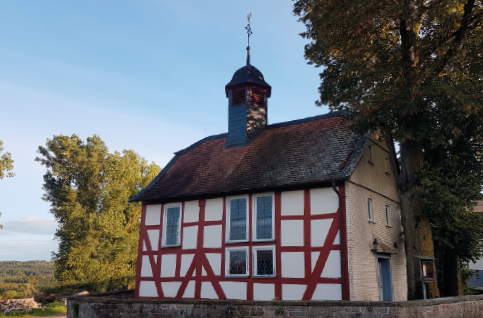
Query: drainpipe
x=341, y=244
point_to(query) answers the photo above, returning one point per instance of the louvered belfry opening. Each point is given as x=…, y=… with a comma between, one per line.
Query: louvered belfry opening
x=257, y=96
x=238, y=97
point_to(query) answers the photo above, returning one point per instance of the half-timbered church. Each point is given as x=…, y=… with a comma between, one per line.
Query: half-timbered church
x=299, y=210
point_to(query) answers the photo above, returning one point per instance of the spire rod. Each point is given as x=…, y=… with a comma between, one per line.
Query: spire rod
x=249, y=32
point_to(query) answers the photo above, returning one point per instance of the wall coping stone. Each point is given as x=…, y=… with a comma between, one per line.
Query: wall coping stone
x=113, y=298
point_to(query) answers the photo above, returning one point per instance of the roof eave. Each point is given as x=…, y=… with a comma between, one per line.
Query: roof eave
x=291, y=186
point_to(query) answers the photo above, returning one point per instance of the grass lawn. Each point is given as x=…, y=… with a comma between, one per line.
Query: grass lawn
x=48, y=311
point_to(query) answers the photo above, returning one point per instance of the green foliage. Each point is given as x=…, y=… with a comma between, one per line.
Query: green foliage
x=25, y=279
x=42, y=312
x=451, y=180
x=55, y=304
x=399, y=67
x=413, y=71
x=467, y=274
x=88, y=189
x=6, y=164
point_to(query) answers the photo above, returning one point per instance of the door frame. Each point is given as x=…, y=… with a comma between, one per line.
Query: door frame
x=379, y=278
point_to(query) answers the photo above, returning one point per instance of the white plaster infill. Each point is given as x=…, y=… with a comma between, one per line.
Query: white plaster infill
x=153, y=214
x=293, y=202
x=191, y=211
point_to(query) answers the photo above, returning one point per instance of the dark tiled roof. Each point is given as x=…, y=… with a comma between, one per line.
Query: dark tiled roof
x=248, y=74
x=311, y=150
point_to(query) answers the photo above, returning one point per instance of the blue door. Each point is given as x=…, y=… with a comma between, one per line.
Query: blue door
x=385, y=278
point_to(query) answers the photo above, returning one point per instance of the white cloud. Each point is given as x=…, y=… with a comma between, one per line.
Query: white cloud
x=28, y=238
x=26, y=250
x=30, y=225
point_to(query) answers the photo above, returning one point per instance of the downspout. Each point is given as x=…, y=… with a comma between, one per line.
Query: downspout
x=342, y=245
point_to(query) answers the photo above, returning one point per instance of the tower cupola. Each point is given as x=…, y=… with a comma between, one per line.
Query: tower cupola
x=247, y=94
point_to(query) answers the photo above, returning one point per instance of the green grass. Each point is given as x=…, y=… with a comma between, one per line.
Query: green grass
x=47, y=311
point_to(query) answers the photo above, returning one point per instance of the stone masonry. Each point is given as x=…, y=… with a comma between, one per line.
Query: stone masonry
x=112, y=306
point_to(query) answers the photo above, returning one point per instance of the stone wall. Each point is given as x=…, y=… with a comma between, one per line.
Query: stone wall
x=110, y=306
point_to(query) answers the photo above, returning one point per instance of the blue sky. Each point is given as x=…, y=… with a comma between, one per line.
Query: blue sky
x=144, y=75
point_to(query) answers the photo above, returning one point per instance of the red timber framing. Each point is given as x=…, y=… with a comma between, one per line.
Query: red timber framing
x=312, y=277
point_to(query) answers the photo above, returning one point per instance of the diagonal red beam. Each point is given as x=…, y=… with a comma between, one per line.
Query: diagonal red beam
x=322, y=260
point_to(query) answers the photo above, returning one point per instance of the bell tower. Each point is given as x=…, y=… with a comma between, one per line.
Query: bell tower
x=247, y=94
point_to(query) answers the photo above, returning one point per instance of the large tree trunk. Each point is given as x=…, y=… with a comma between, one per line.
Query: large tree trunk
x=417, y=230
x=450, y=276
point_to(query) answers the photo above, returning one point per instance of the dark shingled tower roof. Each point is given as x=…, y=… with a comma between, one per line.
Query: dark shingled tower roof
x=248, y=74
x=313, y=151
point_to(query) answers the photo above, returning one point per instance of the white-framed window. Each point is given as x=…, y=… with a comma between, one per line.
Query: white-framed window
x=370, y=209
x=263, y=221
x=388, y=216
x=236, y=261
x=264, y=261
x=171, y=225
x=237, y=219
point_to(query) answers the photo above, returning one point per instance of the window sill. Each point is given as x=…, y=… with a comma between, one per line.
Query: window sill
x=170, y=246
x=264, y=276
x=236, y=276
x=371, y=221
x=371, y=163
x=264, y=241
x=389, y=226
x=387, y=174
x=236, y=242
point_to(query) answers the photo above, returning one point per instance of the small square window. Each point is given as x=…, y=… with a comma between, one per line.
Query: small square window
x=237, y=223
x=171, y=225
x=370, y=209
x=263, y=217
x=388, y=216
x=264, y=261
x=236, y=261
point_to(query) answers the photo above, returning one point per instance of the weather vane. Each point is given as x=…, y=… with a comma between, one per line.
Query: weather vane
x=248, y=28
x=249, y=32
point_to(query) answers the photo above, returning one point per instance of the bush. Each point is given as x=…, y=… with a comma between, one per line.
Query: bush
x=55, y=304
x=11, y=294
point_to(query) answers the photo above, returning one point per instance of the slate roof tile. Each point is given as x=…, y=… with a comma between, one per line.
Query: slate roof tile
x=316, y=149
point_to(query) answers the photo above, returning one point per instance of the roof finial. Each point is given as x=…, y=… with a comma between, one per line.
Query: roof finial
x=249, y=32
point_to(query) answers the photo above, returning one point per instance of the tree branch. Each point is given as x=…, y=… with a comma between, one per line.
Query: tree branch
x=459, y=34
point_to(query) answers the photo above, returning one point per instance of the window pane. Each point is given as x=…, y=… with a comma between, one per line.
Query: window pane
x=238, y=263
x=238, y=219
x=369, y=208
x=264, y=217
x=265, y=262
x=388, y=221
x=172, y=221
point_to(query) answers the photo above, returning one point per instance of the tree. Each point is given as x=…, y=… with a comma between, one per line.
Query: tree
x=88, y=189
x=405, y=68
x=6, y=164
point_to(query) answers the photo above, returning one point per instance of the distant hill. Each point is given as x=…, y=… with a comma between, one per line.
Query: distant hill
x=23, y=279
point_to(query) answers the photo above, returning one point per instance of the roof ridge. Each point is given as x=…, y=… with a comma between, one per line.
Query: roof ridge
x=308, y=119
